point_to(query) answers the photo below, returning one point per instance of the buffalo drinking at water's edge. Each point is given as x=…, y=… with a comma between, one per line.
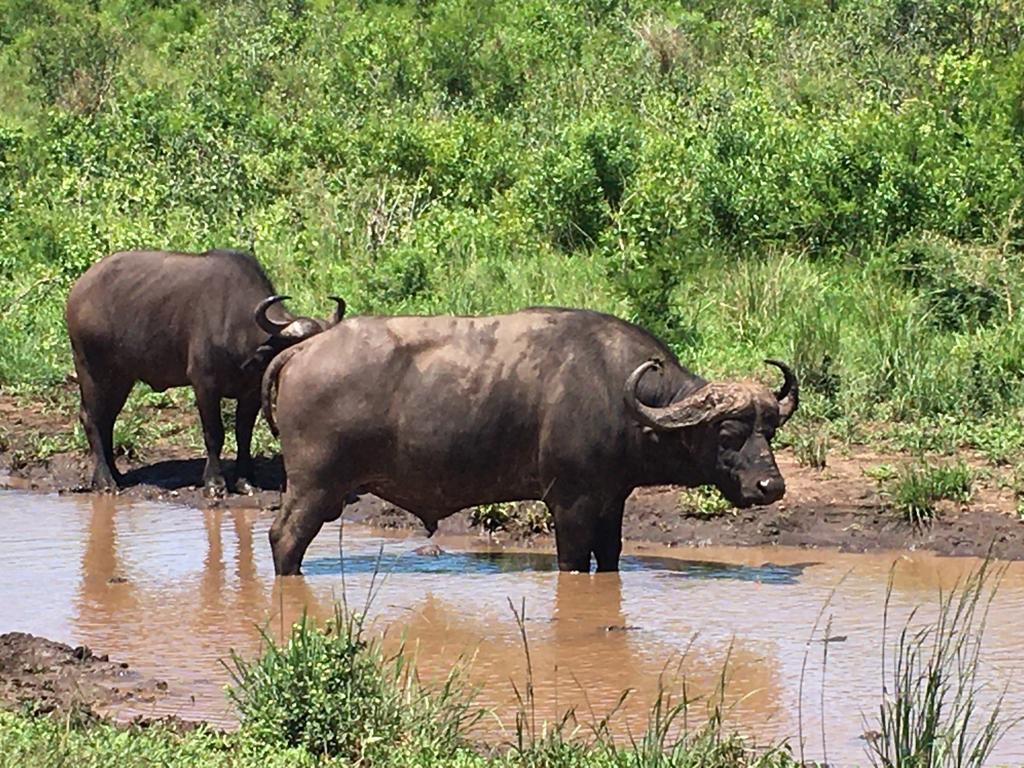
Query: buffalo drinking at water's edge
x=571, y=407
x=172, y=320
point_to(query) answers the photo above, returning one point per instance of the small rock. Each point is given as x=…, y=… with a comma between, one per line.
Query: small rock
x=429, y=550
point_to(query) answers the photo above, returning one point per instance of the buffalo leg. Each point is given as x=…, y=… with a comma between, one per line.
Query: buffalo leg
x=245, y=420
x=608, y=541
x=102, y=401
x=302, y=515
x=574, y=531
x=208, y=401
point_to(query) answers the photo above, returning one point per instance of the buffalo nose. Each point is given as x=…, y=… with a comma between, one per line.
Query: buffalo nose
x=771, y=488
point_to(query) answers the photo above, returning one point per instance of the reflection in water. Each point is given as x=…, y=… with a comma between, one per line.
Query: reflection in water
x=171, y=590
x=103, y=587
x=503, y=561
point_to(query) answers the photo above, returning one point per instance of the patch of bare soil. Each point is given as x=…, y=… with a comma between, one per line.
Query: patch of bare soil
x=46, y=676
x=839, y=506
x=164, y=470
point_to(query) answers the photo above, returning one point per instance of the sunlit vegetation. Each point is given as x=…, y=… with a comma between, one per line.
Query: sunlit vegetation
x=835, y=183
x=705, y=502
x=917, y=489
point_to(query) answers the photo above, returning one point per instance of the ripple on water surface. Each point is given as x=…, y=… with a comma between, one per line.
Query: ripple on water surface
x=170, y=590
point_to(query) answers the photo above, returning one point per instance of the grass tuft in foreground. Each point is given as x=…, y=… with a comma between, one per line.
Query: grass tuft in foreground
x=930, y=714
x=334, y=693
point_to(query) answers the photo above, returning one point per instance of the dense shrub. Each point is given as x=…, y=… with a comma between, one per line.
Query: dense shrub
x=837, y=183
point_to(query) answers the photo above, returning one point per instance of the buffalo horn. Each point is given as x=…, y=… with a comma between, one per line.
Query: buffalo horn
x=709, y=402
x=645, y=414
x=273, y=327
x=789, y=395
x=339, y=310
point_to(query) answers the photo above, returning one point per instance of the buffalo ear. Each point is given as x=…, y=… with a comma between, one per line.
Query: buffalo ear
x=260, y=358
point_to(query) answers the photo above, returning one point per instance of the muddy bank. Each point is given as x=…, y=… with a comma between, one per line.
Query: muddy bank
x=45, y=676
x=839, y=506
x=832, y=508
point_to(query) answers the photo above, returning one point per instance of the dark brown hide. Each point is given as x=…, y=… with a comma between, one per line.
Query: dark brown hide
x=440, y=413
x=174, y=320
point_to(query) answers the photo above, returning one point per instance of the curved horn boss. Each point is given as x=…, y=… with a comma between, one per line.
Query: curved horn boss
x=273, y=327
x=711, y=402
x=298, y=328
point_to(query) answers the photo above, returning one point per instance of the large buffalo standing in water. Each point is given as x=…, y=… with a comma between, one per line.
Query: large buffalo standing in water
x=571, y=407
x=171, y=320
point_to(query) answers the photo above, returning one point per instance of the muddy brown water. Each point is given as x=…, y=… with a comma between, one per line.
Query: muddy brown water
x=171, y=589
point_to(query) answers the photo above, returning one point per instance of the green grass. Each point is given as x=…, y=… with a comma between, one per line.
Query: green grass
x=837, y=184
x=930, y=714
x=704, y=502
x=43, y=742
x=916, y=490
x=811, y=444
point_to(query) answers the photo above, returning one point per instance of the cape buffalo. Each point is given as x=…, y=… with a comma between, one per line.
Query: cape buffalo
x=571, y=407
x=171, y=320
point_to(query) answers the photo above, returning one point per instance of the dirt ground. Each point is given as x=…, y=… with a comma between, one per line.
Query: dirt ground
x=839, y=506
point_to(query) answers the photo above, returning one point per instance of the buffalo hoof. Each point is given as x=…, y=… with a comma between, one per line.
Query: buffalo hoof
x=104, y=482
x=244, y=487
x=215, y=488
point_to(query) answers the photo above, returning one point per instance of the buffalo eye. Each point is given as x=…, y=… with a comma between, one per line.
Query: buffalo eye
x=733, y=435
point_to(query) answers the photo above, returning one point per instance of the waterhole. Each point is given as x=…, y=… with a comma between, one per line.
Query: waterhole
x=171, y=590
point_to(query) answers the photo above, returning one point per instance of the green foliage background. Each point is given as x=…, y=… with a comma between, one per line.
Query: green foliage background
x=835, y=182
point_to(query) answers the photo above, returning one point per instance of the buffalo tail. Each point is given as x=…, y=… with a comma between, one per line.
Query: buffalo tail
x=268, y=391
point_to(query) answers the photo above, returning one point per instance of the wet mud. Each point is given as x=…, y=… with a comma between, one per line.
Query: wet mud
x=838, y=507
x=46, y=676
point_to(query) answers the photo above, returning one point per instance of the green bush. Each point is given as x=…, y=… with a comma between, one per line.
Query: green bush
x=838, y=184
x=333, y=692
x=704, y=502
